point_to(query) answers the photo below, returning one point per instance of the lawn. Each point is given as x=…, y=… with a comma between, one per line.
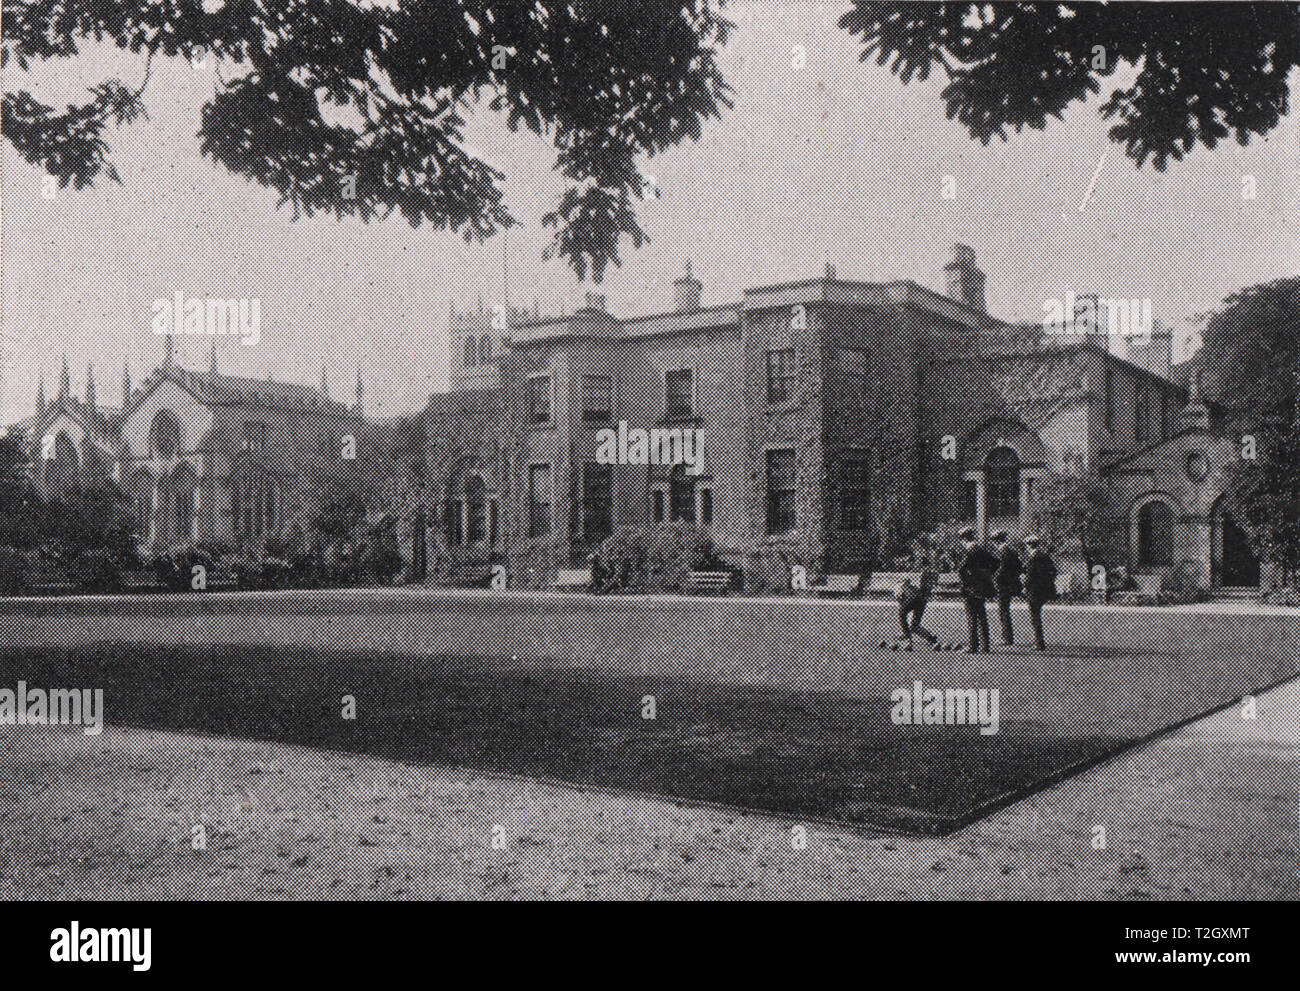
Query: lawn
x=773, y=744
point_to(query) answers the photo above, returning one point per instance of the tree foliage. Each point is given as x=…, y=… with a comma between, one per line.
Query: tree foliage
x=1204, y=71
x=319, y=99
x=1074, y=512
x=1250, y=362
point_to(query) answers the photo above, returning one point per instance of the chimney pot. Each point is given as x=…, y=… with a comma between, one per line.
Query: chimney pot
x=686, y=292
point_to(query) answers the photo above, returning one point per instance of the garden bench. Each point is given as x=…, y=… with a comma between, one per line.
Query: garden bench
x=707, y=582
x=839, y=585
x=573, y=579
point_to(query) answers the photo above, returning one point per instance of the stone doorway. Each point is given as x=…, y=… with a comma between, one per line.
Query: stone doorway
x=1235, y=562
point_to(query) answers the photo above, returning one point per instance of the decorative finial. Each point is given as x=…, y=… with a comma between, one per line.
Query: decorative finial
x=688, y=268
x=170, y=356
x=360, y=401
x=40, y=396
x=64, y=387
x=90, y=385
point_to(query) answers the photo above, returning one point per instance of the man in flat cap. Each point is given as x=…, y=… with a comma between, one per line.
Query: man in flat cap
x=1040, y=585
x=976, y=573
x=1007, y=580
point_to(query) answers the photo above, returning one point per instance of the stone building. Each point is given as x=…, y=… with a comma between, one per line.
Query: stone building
x=837, y=418
x=202, y=456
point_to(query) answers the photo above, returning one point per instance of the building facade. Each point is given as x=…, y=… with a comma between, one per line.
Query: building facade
x=837, y=418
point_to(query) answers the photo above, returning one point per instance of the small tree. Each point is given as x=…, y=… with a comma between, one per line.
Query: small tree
x=1075, y=511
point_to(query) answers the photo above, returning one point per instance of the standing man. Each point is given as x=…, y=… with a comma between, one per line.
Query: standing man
x=1007, y=580
x=1040, y=586
x=976, y=573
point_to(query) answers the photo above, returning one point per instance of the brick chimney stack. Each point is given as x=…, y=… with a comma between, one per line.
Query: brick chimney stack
x=686, y=292
x=964, y=278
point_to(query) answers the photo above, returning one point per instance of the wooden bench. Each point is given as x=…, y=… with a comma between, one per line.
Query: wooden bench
x=573, y=579
x=838, y=585
x=887, y=583
x=221, y=580
x=709, y=582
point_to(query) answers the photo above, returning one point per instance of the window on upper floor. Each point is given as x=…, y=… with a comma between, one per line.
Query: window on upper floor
x=780, y=375
x=1141, y=412
x=255, y=437
x=164, y=435
x=597, y=398
x=855, y=372
x=539, y=399
x=678, y=389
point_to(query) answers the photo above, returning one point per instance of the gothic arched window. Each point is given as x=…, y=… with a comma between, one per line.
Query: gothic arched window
x=64, y=467
x=164, y=435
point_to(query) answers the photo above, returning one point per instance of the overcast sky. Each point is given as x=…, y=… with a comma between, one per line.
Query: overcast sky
x=836, y=162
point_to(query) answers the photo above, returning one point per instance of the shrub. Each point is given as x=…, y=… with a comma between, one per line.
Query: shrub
x=380, y=558
x=175, y=567
x=1182, y=584
x=96, y=571
x=655, y=558
x=13, y=572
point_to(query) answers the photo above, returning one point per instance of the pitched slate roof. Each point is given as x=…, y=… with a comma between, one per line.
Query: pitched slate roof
x=231, y=390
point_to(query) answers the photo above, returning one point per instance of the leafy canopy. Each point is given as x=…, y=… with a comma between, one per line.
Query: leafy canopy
x=358, y=109
x=1204, y=70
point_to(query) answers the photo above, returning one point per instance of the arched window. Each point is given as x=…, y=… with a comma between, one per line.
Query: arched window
x=164, y=435
x=1002, y=483
x=63, y=469
x=1155, y=526
x=183, y=486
